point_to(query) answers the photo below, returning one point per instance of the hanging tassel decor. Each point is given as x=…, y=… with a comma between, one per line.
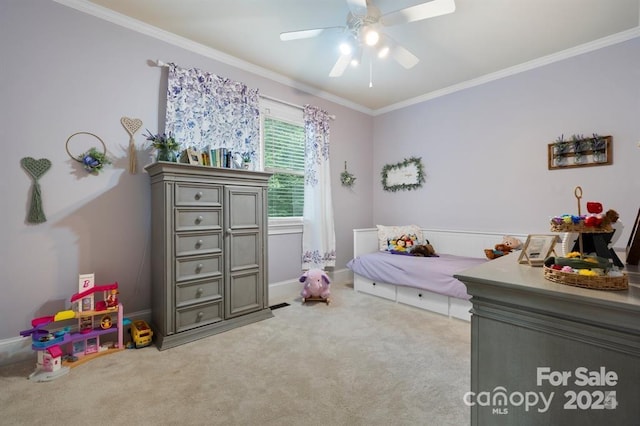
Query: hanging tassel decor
x=36, y=168
x=132, y=125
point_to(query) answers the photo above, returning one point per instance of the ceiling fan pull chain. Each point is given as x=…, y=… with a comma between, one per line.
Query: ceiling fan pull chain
x=370, y=73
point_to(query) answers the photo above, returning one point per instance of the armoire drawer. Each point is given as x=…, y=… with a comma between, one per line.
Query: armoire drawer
x=190, y=244
x=198, y=292
x=197, y=195
x=197, y=219
x=199, y=315
x=192, y=268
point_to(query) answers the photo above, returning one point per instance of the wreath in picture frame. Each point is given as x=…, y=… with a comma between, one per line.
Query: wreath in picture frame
x=405, y=175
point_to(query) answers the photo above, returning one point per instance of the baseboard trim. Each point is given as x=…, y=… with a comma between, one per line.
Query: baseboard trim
x=18, y=349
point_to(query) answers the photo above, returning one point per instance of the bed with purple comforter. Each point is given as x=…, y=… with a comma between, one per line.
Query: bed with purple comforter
x=434, y=274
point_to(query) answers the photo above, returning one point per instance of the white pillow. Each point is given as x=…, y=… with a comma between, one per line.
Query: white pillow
x=386, y=233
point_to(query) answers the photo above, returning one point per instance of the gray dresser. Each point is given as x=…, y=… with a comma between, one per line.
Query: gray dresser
x=208, y=250
x=544, y=353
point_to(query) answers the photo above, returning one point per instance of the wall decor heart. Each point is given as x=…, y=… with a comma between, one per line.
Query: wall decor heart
x=132, y=125
x=36, y=168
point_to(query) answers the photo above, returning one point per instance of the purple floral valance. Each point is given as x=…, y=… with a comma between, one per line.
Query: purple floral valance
x=204, y=109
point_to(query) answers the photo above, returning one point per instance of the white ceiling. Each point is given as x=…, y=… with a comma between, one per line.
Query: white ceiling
x=481, y=40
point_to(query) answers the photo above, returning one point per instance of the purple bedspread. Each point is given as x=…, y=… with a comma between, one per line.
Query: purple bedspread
x=430, y=273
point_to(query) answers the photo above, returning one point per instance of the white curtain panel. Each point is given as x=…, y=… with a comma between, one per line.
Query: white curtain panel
x=318, y=239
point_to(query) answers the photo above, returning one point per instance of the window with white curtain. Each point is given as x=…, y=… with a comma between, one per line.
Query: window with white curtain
x=283, y=146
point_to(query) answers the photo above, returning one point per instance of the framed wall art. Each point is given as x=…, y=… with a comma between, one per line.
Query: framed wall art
x=406, y=175
x=580, y=151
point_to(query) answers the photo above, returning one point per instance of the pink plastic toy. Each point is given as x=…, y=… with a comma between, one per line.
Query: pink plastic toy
x=316, y=286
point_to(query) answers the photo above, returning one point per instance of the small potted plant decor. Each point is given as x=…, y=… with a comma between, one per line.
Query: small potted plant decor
x=166, y=146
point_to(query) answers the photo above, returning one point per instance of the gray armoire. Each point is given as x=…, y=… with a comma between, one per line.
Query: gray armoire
x=208, y=250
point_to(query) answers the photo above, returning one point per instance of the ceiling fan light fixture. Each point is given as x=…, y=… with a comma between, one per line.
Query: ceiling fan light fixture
x=383, y=52
x=371, y=36
x=345, y=48
x=356, y=58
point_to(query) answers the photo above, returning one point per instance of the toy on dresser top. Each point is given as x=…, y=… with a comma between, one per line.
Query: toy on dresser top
x=591, y=263
x=595, y=221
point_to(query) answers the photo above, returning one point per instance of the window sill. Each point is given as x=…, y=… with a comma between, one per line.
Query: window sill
x=285, y=225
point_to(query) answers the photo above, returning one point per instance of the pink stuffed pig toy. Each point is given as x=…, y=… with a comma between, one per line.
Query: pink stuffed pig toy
x=316, y=284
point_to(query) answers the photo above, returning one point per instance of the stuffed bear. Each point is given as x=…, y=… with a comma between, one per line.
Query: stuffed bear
x=316, y=285
x=508, y=244
x=423, y=250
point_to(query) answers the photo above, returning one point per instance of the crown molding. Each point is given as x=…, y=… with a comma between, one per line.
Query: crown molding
x=184, y=43
x=517, y=69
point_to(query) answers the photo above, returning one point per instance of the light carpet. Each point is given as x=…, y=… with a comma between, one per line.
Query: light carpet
x=359, y=361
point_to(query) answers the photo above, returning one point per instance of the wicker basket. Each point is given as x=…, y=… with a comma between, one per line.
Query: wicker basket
x=586, y=281
x=581, y=228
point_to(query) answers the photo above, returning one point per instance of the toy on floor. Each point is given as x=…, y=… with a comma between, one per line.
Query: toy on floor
x=507, y=245
x=60, y=350
x=141, y=333
x=316, y=286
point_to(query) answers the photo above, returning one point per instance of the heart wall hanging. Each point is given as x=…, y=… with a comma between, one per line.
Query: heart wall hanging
x=36, y=168
x=131, y=125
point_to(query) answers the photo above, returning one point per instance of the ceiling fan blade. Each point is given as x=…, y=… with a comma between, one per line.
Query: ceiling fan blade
x=341, y=64
x=419, y=12
x=296, y=35
x=404, y=57
x=358, y=7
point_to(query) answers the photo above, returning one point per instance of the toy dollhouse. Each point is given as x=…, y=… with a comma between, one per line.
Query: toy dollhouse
x=60, y=350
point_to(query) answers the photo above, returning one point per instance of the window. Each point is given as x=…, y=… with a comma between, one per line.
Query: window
x=283, y=142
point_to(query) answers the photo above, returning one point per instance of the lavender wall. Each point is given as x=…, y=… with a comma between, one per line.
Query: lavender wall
x=484, y=149
x=65, y=71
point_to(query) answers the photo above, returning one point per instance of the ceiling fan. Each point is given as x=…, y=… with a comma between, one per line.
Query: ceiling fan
x=363, y=31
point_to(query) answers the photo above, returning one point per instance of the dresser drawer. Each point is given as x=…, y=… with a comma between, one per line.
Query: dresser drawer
x=197, y=219
x=190, y=244
x=198, y=292
x=192, y=268
x=199, y=315
x=198, y=195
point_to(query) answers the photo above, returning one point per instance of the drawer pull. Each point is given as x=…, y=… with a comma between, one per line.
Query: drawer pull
x=199, y=267
x=199, y=219
x=199, y=292
x=199, y=243
x=198, y=195
x=200, y=315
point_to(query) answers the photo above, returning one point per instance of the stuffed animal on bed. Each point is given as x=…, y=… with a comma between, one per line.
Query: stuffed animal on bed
x=424, y=250
x=316, y=285
x=507, y=245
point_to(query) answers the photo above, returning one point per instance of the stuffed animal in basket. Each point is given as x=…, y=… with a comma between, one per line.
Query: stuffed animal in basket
x=316, y=285
x=507, y=245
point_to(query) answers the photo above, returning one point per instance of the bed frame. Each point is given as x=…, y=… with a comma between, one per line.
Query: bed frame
x=461, y=243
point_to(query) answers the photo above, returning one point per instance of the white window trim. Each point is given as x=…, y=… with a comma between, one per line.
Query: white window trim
x=285, y=225
x=288, y=113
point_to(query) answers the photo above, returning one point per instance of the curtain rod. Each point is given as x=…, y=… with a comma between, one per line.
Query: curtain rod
x=160, y=63
x=280, y=101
